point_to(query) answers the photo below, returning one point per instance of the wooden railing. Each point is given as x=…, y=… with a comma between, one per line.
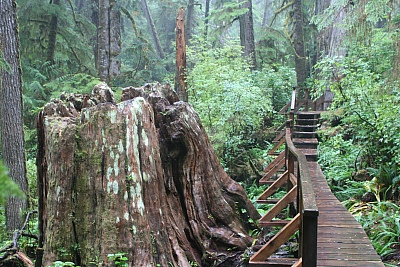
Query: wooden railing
x=307, y=204
x=306, y=103
x=300, y=191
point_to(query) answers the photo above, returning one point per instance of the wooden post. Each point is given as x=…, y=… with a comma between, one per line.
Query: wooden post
x=180, y=78
x=309, y=237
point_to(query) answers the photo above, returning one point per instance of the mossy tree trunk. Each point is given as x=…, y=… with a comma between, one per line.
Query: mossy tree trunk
x=139, y=177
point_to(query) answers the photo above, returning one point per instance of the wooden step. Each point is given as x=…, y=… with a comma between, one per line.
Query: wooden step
x=304, y=134
x=312, y=127
x=306, y=121
x=308, y=115
x=311, y=154
x=308, y=141
x=305, y=142
x=302, y=113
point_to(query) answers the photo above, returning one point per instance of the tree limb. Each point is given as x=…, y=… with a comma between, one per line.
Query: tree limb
x=276, y=13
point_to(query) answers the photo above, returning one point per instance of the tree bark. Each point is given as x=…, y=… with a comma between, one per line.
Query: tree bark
x=12, y=132
x=94, y=18
x=206, y=18
x=52, y=39
x=109, y=40
x=140, y=178
x=189, y=21
x=330, y=39
x=298, y=43
x=152, y=28
x=268, y=14
x=180, y=76
x=247, y=33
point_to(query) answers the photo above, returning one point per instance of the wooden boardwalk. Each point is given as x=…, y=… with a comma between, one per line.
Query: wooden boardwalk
x=341, y=240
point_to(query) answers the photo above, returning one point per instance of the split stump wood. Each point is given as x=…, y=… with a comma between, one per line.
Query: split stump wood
x=139, y=177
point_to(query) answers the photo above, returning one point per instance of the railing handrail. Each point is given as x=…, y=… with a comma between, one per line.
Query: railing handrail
x=307, y=203
x=304, y=173
x=305, y=177
x=307, y=103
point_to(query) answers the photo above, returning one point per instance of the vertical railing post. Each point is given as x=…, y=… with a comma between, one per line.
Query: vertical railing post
x=293, y=102
x=309, y=237
x=307, y=99
x=289, y=155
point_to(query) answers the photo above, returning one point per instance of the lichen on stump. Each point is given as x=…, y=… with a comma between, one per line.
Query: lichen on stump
x=139, y=177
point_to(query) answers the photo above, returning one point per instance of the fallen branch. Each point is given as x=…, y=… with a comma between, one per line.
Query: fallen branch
x=14, y=257
x=18, y=233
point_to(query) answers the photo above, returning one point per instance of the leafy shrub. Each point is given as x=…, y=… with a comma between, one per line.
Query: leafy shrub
x=234, y=103
x=369, y=100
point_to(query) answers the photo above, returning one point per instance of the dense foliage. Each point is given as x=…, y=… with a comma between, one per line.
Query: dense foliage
x=361, y=142
x=236, y=105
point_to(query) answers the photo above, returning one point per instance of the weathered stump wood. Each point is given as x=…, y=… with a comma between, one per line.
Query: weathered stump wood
x=139, y=177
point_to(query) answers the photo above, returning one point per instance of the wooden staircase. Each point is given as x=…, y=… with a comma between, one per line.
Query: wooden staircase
x=305, y=135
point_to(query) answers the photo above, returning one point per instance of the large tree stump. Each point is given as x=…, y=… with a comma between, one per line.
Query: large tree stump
x=139, y=177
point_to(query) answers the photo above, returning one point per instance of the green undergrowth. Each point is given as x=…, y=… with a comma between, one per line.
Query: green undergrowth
x=368, y=193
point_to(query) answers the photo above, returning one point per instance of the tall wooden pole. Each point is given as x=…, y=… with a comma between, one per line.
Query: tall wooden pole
x=180, y=78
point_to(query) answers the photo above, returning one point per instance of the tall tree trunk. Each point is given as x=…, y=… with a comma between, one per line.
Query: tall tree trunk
x=109, y=40
x=52, y=40
x=330, y=39
x=206, y=19
x=12, y=132
x=189, y=21
x=152, y=28
x=247, y=33
x=324, y=34
x=267, y=13
x=298, y=43
x=139, y=177
x=180, y=76
x=337, y=35
x=94, y=18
